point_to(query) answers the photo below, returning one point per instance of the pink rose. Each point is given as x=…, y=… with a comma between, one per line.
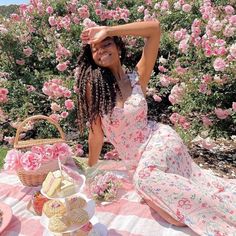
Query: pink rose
x=229, y=31
x=165, y=80
x=31, y=161
x=207, y=143
x=112, y=155
x=165, y=6
x=78, y=150
x=174, y=118
x=232, y=50
x=234, y=106
x=232, y=20
x=186, y=125
x=140, y=9
x=173, y=99
x=20, y=62
x=98, y=11
x=55, y=107
x=52, y=21
x=162, y=69
x=48, y=153
x=222, y=114
x=69, y=104
x=12, y=160
x=157, y=98
x=64, y=114
x=30, y=88
x=62, y=150
x=67, y=93
x=55, y=117
x=62, y=66
x=184, y=46
x=87, y=23
x=219, y=64
x=229, y=10
x=27, y=51
x=3, y=95
x=9, y=139
x=206, y=121
x=186, y=8
x=49, y=10
x=217, y=26
x=38, y=150
x=15, y=17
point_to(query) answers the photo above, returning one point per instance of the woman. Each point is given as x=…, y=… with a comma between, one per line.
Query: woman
x=113, y=102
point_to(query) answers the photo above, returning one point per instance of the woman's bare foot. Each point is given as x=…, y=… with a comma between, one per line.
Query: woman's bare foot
x=164, y=215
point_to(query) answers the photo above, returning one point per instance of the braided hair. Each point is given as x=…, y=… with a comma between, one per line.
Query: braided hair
x=102, y=84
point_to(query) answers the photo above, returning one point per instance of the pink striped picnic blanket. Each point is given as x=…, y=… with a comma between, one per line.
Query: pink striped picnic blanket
x=127, y=216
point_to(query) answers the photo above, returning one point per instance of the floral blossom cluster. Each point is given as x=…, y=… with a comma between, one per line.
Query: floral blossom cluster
x=105, y=187
x=38, y=155
x=3, y=95
x=112, y=155
x=195, y=70
x=178, y=119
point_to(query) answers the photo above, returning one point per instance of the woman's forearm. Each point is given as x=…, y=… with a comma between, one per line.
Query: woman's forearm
x=95, y=147
x=144, y=29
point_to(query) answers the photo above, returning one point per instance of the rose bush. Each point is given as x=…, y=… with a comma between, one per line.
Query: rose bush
x=194, y=78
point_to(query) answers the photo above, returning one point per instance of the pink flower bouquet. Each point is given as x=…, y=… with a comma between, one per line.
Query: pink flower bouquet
x=105, y=186
x=34, y=158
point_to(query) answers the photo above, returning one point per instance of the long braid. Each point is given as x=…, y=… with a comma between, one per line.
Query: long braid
x=102, y=83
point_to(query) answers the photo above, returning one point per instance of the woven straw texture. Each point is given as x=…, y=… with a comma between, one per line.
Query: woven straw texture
x=36, y=177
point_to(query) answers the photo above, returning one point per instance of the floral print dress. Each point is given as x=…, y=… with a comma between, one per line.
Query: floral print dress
x=164, y=172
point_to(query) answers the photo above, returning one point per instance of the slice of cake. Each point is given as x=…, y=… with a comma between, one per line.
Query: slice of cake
x=51, y=184
x=67, y=188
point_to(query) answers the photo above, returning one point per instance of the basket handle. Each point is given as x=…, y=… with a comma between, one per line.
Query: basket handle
x=36, y=117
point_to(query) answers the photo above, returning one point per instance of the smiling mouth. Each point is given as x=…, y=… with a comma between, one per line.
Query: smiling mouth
x=105, y=57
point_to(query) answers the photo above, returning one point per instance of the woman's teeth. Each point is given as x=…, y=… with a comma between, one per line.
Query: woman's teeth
x=105, y=56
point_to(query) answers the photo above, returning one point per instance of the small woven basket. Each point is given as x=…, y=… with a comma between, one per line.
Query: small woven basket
x=36, y=177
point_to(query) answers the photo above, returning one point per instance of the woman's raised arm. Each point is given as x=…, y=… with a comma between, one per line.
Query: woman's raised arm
x=150, y=30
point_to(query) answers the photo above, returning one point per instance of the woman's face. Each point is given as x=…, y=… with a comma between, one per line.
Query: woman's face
x=105, y=53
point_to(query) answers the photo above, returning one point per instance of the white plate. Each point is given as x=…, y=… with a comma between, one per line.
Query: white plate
x=6, y=216
x=98, y=229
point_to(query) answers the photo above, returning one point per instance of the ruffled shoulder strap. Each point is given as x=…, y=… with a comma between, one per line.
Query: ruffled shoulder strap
x=134, y=78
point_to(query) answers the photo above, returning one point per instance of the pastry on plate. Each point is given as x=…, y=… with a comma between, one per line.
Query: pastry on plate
x=75, y=202
x=78, y=216
x=54, y=207
x=58, y=223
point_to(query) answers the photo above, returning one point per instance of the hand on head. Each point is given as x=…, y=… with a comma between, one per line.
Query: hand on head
x=94, y=34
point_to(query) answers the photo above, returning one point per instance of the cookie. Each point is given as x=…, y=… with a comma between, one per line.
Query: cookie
x=78, y=216
x=75, y=202
x=54, y=207
x=58, y=223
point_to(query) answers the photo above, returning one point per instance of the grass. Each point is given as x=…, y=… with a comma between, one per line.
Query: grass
x=3, y=152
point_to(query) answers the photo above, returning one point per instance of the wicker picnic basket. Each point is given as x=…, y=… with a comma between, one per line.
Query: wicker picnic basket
x=36, y=177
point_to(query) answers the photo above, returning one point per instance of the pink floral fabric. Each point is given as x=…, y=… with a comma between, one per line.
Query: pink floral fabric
x=164, y=172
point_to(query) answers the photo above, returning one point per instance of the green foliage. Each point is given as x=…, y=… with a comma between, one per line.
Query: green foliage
x=3, y=152
x=36, y=33
x=6, y=11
